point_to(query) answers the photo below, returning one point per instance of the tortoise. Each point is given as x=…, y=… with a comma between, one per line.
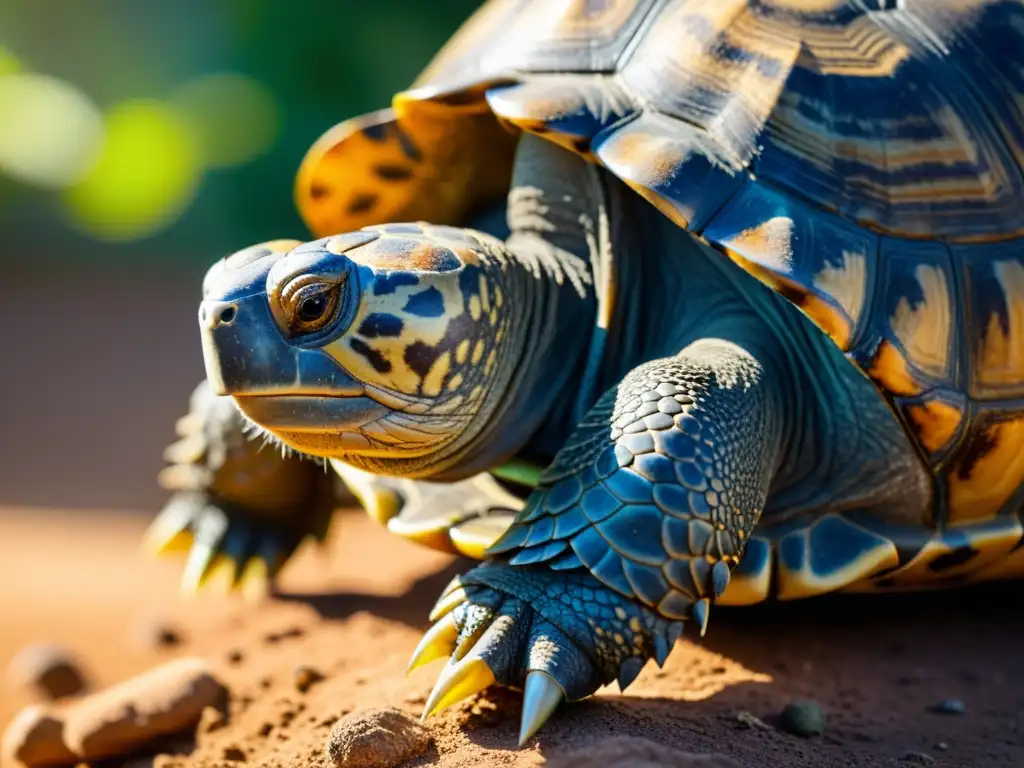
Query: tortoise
x=752, y=327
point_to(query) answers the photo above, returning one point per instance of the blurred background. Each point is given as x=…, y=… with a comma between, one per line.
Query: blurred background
x=139, y=142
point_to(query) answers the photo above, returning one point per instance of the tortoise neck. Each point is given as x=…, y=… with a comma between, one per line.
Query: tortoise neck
x=542, y=359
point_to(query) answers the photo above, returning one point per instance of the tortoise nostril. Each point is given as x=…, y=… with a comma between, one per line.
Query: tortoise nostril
x=226, y=315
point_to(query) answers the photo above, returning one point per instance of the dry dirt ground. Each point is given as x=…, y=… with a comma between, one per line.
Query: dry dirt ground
x=356, y=609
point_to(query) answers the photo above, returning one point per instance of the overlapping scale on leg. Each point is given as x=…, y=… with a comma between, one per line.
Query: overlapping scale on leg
x=651, y=510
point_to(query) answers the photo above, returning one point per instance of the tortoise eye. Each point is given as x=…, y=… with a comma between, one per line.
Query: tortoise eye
x=313, y=307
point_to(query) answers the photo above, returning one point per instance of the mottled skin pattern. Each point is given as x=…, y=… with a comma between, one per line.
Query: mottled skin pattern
x=758, y=315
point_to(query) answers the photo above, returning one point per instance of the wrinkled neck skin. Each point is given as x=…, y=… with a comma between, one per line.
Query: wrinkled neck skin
x=543, y=291
x=552, y=292
x=546, y=269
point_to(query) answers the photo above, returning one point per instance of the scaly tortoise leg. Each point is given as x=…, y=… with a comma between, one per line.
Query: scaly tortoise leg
x=634, y=529
x=239, y=507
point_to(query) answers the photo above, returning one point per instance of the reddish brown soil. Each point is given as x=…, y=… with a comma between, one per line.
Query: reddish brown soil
x=356, y=610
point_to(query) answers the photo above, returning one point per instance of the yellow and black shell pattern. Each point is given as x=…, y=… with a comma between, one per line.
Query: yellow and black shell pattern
x=861, y=157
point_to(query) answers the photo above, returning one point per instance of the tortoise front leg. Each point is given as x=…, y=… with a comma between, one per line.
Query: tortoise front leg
x=238, y=506
x=635, y=529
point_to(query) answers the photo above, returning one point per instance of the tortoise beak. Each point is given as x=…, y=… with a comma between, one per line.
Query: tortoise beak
x=280, y=386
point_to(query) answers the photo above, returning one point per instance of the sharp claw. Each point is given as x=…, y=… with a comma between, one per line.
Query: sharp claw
x=198, y=567
x=628, y=671
x=255, y=580
x=448, y=603
x=701, y=609
x=220, y=577
x=541, y=695
x=437, y=642
x=457, y=682
x=454, y=584
x=168, y=533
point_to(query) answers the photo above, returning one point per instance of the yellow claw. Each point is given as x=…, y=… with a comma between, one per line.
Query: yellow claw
x=220, y=577
x=541, y=696
x=255, y=579
x=167, y=534
x=197, y=568
x=457, y=682
x=437, y=642
x=448, y=603
x=454, y=584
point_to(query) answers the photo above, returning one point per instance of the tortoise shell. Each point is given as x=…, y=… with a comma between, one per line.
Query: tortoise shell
x=861, y=157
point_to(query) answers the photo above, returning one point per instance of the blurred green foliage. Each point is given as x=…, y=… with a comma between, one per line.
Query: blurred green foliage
x=171, y=131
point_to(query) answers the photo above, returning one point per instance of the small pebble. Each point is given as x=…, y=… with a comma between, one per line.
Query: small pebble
x=942, y=746
x=35, y=737
x=380, y=738
x=155, y=632
x=306, y=677
x=950, y=707
x=917, y=758
x=126, y=716
x=234, y=754
x=803, y=718
x=51, y=671
x=748, y=720
x=416, y=698
x=235, y=656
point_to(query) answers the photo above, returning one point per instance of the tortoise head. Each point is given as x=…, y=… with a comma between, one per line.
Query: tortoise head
x=375, y=347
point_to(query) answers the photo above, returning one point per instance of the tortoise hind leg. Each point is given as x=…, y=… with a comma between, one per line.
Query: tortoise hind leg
x=463, y=518
x=238, y=507
x=635, y=529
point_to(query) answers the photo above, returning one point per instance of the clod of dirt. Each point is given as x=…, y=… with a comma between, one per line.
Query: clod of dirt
x=160, y=701
x=51, y=671
x=379, y=738
x=306, y=677
x=155, y=632
x=636, y=752
x=803, y=718
x=35, y=737
x=950, y=707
